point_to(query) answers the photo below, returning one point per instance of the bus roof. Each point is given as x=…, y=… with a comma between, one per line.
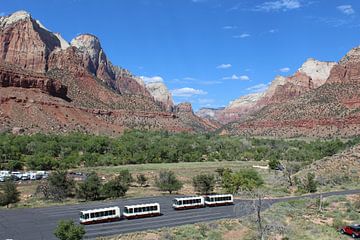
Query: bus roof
x=220, y=195
x=142, y=205
x=100, y=209
x=187, y=198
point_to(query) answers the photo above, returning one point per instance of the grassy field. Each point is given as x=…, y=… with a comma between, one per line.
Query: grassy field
x=300, y=220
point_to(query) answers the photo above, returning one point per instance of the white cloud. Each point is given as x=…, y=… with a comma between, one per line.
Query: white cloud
x=235, y=77
x=279, y=5
x=346, y=9
x=244, y=35
x=189, y=79
x=273, y=30
x=229, y=27
x=187, y=92
x=258, y=88
x=284, y=70
x=224, y=66
x=152, y=79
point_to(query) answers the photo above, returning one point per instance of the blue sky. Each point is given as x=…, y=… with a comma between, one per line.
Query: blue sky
x=208, y=52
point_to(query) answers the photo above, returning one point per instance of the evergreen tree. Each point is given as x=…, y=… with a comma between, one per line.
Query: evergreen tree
x=9, y=194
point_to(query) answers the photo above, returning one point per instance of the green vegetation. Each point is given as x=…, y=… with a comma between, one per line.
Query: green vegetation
x=68, y=230
x=48, y=152
x=90, y=189
x=167, y=181
x=244, y=179
x=141, y=179
x=57, y=187
x=204, y=183
x=117, y=187
x=9, y=194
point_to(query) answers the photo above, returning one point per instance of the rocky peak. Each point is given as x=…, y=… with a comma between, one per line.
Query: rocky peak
x=25, y=42
x=318, y=71
x=353, y=56
x=184, y=108
x=14, y=18
x=161, y=94
x=246, y=100
x=90, y=46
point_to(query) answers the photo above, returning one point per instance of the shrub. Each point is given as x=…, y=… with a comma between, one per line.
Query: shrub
x=204, y=183
x=90, y=189
x=68, y=230
x=167, y=181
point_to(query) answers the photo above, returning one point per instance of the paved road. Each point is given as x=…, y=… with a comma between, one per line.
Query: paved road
x=39, y=223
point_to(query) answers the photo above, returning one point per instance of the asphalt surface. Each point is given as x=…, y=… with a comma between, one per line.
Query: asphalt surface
x=39, y=223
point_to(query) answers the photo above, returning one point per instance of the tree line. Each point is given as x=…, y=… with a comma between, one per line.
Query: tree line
x=51, y=152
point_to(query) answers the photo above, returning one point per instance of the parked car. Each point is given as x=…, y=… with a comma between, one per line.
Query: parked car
x=353, y=230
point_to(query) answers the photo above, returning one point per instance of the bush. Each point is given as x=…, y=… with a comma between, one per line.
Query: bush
x=310, y=183
x=167, y=181
x=90, y=189
x=273, y=164
x=68, y=230
x=58, y=186
x=116, y=188
x=141, y=179
x=204, y=183
x=246, y=179
x=9, y=194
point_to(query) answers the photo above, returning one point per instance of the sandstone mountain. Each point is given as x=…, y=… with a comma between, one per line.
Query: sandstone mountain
x=312, y=74
x=50, y=85
x=298, y=108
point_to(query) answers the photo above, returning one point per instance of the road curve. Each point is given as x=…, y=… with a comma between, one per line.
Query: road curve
x=39, y=223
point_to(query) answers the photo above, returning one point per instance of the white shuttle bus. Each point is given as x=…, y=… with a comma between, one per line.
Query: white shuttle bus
x=219, y=200
x=142, y=210
x=100, y=215
x=188, y=202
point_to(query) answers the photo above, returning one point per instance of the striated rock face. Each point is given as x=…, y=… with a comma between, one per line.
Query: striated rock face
x=184, y=108
x=11, y=76
x=25, y=43
x=95, y=61
x=348, y=69
x=161, y=94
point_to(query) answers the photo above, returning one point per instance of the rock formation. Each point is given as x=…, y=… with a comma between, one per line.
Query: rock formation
x=49, y=85
x=161, y=94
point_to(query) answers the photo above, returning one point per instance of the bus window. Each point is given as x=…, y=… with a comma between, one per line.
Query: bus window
x=92, y=215
x=87, y=216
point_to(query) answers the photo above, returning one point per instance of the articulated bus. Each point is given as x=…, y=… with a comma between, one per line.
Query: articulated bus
x=188, y=202
x=100, y=215
x=142, y=210
x=219, y=200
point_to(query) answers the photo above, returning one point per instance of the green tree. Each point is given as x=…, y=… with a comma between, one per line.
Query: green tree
x=204, y=183
x=115, y=188
x=125, y=176
x=9, y=194
x=68, y=230
x=141, y=179
x=167, y=181
x=60, y=185
x=90, y=189
x=246, y=179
